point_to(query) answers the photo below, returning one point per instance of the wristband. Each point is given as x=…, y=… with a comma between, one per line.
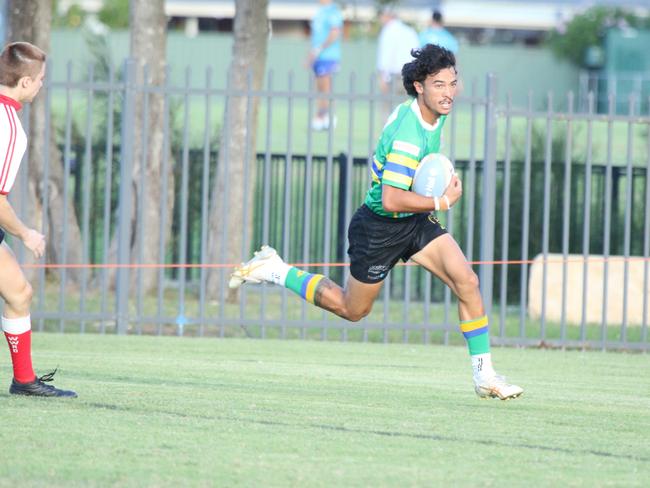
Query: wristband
x=436, y=203
x=447, y=201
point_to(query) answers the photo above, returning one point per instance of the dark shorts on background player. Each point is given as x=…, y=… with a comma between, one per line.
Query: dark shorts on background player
x=2, y=235
x=324, y=67
x=378, y=242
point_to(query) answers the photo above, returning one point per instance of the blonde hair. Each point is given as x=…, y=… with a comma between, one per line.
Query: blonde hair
x=20, y=59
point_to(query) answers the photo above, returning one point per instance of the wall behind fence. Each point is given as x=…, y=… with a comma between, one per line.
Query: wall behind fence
x=519, y=69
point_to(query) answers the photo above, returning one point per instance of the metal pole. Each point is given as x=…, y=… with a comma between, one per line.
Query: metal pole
x=125, y=204
x=3, y=22
x=489, y=193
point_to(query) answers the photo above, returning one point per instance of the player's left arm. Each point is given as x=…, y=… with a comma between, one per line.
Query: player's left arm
x=335, y=33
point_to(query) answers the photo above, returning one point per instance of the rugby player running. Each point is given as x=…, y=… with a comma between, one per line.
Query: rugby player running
x=395, y=223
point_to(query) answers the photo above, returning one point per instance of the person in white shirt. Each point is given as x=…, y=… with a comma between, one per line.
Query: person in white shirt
x=396, y=40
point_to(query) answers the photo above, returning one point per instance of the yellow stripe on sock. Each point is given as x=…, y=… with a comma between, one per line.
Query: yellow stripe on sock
x=471, y=325
x=311, y=287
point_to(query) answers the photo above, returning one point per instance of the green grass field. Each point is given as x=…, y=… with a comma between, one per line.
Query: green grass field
x=165, y=411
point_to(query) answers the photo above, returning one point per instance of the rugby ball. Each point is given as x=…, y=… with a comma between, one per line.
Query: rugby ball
x=433, y=175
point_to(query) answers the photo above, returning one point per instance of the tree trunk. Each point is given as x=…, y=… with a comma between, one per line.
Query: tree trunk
x=148, y=48
x=30, y=21
x=227, y=219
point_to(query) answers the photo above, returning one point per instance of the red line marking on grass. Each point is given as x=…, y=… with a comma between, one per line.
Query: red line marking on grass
x=590, y=260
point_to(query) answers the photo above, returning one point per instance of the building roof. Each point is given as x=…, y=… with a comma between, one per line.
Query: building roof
x=531, y=14
x=509, y=14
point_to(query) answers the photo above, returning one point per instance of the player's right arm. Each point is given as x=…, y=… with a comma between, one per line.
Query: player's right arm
x=9, y=221
x=395, y=199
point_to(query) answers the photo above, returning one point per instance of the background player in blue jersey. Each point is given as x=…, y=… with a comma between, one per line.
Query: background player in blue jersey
x=435, y=33
x=325, y=57
x=395, y=223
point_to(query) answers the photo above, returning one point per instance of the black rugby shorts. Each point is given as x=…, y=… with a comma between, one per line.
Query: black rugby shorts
x=378, y=242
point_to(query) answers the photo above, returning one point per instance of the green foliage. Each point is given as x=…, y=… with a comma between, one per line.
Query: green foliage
x=573, y=40
x=71, y=18
x=115, y=14
x=538, y=142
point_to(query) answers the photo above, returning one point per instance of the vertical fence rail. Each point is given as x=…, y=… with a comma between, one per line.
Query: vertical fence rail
x=125, y=199
x=108, y=183
x=184, y=197
x=505, y=228
x=525, y=222
x=607, y=222
x=146, y=96
x=67, y=158
x=628, y=218
x=586, y=230
x=566, y=214
x=546, y=209
x=46, y=191
x=86, y=175
x=205, y=195
x=646, y=247
x=489, y=194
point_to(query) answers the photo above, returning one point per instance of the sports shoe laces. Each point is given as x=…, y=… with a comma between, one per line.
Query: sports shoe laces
x=47, y=377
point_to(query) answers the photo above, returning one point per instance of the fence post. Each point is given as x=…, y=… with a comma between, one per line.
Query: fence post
x=488, y=196
x=125, y=197
x=344, y=184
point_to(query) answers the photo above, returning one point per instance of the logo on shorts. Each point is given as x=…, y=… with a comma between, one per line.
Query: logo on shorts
x=435, y=221
x=377, y=271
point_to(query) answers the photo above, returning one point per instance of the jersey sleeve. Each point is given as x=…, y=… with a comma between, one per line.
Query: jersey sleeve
x=402, y=159
x=9, y=153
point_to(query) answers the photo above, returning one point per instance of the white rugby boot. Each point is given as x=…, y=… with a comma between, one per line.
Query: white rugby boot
x=496, y=386
x=265, y=266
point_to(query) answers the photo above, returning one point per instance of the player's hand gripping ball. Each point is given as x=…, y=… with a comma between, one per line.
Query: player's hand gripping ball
x=433, y=175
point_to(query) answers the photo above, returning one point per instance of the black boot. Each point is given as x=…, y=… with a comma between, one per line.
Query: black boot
x=39, y=388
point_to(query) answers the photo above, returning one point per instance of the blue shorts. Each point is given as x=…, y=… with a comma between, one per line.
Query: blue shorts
x=325, y=67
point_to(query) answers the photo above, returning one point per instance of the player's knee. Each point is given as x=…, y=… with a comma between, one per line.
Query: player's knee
x=357, y=314
x=468, y=283
x=22, y=299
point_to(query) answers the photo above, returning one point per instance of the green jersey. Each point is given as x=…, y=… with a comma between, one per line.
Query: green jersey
x=405, y=140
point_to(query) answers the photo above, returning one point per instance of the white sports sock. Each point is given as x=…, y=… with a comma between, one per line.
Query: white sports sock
x=277, y=273
x=482, y=365
x=16, y=326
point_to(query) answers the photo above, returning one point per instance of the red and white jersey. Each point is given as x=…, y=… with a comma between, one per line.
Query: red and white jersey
x=13, y=143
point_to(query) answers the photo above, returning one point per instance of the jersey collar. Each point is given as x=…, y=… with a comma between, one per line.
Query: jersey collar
x=10, y=101
x=426, y=125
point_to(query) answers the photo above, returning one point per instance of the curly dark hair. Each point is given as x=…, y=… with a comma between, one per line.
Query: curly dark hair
x=429, y=60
